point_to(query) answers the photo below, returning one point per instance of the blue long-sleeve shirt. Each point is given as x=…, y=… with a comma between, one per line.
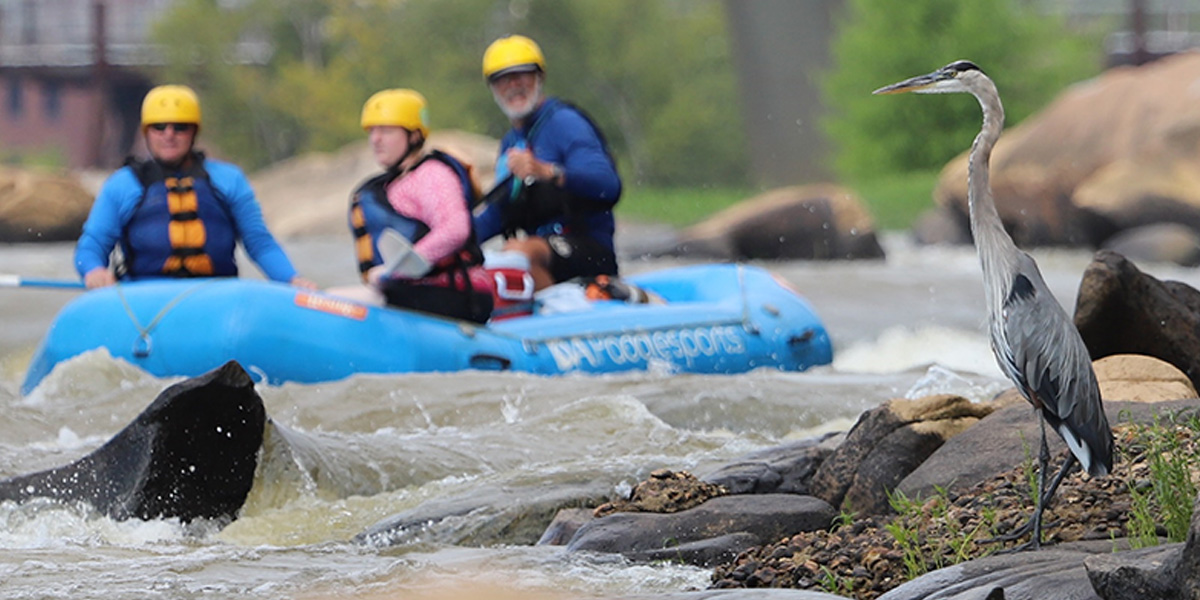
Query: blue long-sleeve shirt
x=559, y=134
x=119, y=198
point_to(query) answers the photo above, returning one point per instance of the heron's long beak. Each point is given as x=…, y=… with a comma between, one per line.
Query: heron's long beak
x=912, y=84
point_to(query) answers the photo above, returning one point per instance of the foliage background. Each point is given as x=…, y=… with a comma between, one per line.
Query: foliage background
x=655, y=75
x=1031, y=55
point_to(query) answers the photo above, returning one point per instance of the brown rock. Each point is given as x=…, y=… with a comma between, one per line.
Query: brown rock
x=1138, y=378
x=1144, y=190
x=665, y=491
x=885, y=445
x=38, y=206
x=821, y=221
x=1139, y=114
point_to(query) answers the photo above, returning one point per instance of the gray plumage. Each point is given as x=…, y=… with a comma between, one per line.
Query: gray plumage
x=1035, y=342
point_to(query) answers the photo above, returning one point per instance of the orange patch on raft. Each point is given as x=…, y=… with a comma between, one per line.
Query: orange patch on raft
x=333, y=306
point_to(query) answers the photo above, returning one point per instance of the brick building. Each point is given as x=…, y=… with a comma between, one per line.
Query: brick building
x=72, y=76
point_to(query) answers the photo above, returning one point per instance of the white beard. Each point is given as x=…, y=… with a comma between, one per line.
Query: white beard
x=517, y=113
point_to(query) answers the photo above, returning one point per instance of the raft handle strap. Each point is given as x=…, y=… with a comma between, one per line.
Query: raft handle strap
x=142, y=347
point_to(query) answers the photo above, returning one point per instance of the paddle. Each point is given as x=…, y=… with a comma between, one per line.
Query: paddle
x=18, y=281
x=398, y=255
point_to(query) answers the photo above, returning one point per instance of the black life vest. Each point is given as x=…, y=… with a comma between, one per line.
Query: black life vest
x=541, y=202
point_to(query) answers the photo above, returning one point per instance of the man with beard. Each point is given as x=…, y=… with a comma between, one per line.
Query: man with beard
x=557, y=181
x=176, y=214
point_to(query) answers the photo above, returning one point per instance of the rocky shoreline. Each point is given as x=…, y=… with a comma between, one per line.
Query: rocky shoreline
x=863, y=558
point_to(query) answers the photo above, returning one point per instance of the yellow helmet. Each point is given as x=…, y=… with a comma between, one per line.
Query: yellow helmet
x=170, y=104
x=401, y=108
x=512, y=54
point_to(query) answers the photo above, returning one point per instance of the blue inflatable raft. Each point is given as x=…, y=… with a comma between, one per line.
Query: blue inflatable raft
x=719, y=318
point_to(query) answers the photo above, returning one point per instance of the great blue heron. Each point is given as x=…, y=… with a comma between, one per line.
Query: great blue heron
x=1036, y=344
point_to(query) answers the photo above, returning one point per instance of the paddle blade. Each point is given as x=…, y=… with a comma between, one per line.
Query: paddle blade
x=398, y=255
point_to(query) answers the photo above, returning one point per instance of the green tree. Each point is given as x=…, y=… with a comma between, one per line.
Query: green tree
x=655, y=74
x=1027, y=53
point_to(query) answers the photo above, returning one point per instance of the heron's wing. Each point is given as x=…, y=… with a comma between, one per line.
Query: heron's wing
x=1048, y=356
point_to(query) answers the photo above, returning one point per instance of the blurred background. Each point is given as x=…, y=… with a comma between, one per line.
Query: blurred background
x=705, y=102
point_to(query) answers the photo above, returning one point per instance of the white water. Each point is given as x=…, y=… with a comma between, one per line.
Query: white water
x=907, y=326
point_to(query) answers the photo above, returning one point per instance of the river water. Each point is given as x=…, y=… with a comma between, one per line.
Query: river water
x=379, y=445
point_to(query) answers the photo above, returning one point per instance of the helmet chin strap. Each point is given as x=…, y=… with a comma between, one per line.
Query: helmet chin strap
x=413, y=148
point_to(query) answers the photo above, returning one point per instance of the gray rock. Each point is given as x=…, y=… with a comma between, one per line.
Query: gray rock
x=498, y=516
x=1001, y=440
x=765, y=517
x=566, y=522
x=1165, y=572
x=942, y=225
x=733, y=594
x=708, y=552
x=785, y=469
x=1057, y=574
x=1147, y=574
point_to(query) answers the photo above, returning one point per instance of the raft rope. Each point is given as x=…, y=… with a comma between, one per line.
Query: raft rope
x=141, y=349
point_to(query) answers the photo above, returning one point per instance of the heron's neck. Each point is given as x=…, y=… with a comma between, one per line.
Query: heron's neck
x=996, y=249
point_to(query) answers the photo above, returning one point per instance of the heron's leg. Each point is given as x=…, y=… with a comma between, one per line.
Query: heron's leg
x=1066, y=469
x=1042, y=498
x=1035, y=522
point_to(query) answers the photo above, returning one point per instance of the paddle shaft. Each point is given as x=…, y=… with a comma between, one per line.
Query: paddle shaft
x=17, y=281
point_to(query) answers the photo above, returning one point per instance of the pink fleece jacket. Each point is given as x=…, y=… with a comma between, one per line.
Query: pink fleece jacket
x=432, y=193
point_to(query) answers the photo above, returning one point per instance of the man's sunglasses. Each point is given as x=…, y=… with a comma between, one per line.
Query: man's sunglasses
x=177, y=127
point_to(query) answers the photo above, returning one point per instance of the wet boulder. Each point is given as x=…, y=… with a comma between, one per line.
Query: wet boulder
x=711, y=532
x=38, y=206
x=942, y=225
x=817, y=222
x=1121, y=310
x=499, y=516
x=886, y=444
x=786, y=469
x=191, y=454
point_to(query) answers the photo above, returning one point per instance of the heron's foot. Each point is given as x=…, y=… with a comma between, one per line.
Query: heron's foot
x=1017, y=534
